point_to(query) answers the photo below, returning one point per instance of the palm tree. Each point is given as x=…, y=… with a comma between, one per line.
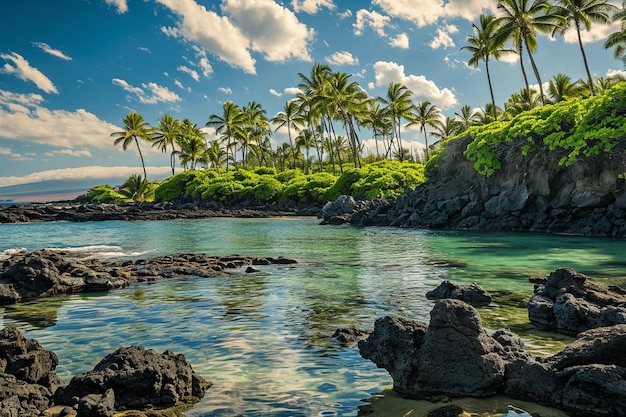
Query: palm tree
x=579, y=14
x=466, y=117
x=486, y=44
x=398, y=105
x=378, y=121
x=617, y=40
x=485, y=115
x=228, y=125
x=306, y=140
x=425, y=115
x=520, y=22
x=523, y=101
x=561, y=87
x=448, y=128
x=166, y=135
x=254, y=127
x=215, y=154
x=135, y=128
x=292, y=118
x=192, y=144
x=135, y=188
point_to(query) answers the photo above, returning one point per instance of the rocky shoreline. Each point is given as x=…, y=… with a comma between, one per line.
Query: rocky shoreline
x=75, y=211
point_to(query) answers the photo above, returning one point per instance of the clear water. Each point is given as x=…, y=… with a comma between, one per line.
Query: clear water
x=264, y=339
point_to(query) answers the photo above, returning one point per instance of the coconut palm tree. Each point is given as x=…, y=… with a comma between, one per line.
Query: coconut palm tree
x=378, y=121
x=215, y=154
x=135, y=128
x=192, y=144
x=561, y=87
x=447, y=128
x=306, y=140
x=579, y=14
x=523, y=101
x=254, y=127
x=398, y=106
x=466, y=117
x=166, y=135
x=135, y=188
x=227, y=125
x=291, y=117
x=425, y=115
x=485, y=44
x=520, y=21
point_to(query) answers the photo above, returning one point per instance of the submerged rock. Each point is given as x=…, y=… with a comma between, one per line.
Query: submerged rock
x=455, y=356
x=569, y=302
x=134, y=378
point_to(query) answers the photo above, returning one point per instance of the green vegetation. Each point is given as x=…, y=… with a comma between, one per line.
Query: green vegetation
x=579, y=127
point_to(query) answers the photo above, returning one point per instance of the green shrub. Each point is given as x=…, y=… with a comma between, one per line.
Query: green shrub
x=105, y=194
x=268, y=189
x=175, y=186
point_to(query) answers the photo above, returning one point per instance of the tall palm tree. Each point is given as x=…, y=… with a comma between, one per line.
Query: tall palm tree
x=378, y=121
x=166, y=135
x=523, y=101
x=398, y=104
x=466, y=117
x=617, y=40
x=291, y=117
x=135, y=128
x=485, y=44
x=425, y=115
x=579, y=14
x=135, y=188
x=306, y=140
x=192, y=144
x=227, y=125
x=447, y=128
x=254, y=127
x=215, y=154
x=520, y=21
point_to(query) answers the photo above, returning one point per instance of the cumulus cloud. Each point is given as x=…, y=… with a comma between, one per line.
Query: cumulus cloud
x=427, y=12
x=401, y=41
x=149, y=93
x=71, y=152
x=192, y=73
x=597, y=33
x=120, y=5
x=272, y=29
x=205, y=65
x=342, y=58
x=90, y=172
x=311, y=6
x=24, y=71
x=294, y=91
x=443, y=38
x=49, y=50
x=225, y=90
x=387, y=72
x=372, y=19
x=23, y=118
x=275, y=93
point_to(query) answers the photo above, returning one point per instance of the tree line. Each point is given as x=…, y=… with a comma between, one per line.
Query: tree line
x=325, y=119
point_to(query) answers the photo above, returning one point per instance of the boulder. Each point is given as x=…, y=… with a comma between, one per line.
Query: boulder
x=569, y=302
x=350, y=335
x=27, y=374
x=136, y=378
x=472, y=294
x=339, y=211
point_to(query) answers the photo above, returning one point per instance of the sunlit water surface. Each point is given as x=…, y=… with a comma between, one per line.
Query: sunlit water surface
x=264, y=339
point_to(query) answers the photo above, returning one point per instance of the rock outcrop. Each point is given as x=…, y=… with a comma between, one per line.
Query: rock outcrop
x=567, y=301
x=45, y=272
x=472, y=294
x=529, y=193
x=27, y=375
x=455, y=356
x=133, y=378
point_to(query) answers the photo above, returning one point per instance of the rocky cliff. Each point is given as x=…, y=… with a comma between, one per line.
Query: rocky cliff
x=528, y=193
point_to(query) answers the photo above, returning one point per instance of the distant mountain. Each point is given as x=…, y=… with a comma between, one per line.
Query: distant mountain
x=53, y=190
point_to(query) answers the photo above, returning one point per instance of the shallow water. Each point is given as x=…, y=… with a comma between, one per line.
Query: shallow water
x=264, y=339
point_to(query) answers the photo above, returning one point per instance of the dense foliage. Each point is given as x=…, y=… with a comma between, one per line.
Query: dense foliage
x=579, y=127
x=266, y=186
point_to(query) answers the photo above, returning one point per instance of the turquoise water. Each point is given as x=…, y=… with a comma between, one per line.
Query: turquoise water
x=264, y=339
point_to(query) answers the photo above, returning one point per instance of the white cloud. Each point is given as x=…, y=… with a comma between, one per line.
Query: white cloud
x=179, y=84
x=345, y=15
x=225, y=90
x=616, y=73
x=154, y=94
x=597, y=33
x=373, y=19
x=387, y=72
x=192, y=73
x=342, y=58
x=443, y=38
x=401, y=41
x=90, y=172
x=275, y=93
x=78, y=153
x=272, y=29
x=120, y=5
x=211, y=32
x=207, y=69
x=24, y=71
x=427, y=12
x=144, y=49
x=311, y=6
x=5, y=151
x=49, y=50
x=294, y=91
x=23, y=118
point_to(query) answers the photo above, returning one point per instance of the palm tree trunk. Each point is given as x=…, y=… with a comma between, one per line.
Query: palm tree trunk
x=589, y=80
x=493, y=100
x=521, y=62
x=532, y=63
x=426, y=142
x=145, y=176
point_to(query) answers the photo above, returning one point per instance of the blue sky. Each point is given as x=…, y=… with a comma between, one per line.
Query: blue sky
x=71, y=70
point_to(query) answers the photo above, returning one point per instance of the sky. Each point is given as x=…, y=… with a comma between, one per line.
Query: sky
x=71, y=70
